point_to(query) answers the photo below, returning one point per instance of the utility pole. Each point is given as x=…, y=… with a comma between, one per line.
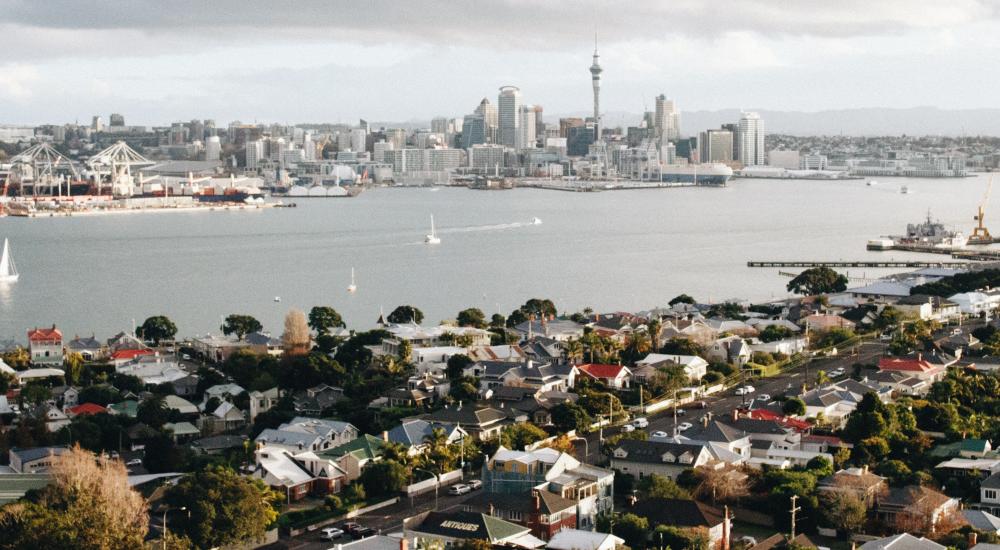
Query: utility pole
x=794, y=509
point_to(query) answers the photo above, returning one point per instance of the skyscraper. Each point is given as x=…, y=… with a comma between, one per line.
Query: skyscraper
x=213, y=148
x=716, y=146
x=595, y=79
x=489, y=113
x=527, y=137
x=666, y=119
x=509, y=114
x=473, y=130
x=751, y=140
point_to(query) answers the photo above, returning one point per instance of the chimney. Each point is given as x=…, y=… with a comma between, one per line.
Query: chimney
x=403, y=544
x=491, y=508
x=854, y=545
x=972, y=539
x=385, y=436
x=538, y=501
x=725, y=528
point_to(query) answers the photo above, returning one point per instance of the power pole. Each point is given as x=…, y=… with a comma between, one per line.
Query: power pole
x=794, y=509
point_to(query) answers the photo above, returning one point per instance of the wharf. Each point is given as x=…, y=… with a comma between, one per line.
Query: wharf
x=860, y=263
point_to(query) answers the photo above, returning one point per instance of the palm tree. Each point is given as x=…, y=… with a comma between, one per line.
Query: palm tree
x=637, y=345
x=654, y=326
x=574, y=350
x=437, y=456
x=396, y=452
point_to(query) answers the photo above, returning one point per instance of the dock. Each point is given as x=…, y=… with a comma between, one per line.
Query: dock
x=890, y=264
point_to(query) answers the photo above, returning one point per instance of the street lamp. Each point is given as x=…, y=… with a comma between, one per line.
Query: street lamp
x=165, y=510
x=437, y=483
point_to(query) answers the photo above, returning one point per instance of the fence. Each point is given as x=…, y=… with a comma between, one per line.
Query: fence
x=429, y=484
x=352, y=514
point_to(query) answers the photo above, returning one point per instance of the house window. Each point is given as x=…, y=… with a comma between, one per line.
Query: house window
x=990, y=494
x=514, y=515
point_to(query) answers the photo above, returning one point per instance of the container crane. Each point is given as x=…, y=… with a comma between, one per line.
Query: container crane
x=980, y=234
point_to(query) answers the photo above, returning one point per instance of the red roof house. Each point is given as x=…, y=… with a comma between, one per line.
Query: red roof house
x=130, y=354
x=45, y=335
x=615, y=376
x=86, y=409
x=917, y=367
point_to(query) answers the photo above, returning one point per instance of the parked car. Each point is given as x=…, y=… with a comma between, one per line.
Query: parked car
x=740, y=391
x=628, y=428
x=363, y=532
x=835, y=373
x=749, y=389
x=186, y=357
x=475, y=484
x=134, y=462
x=681, y=412
x=640, y=422
x=765, y=397
x=459, y=489
x=331, y=533
x=659, y=434
x=684, y=426
x=351, y=526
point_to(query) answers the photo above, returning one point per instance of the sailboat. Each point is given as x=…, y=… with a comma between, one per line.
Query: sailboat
x=8, y=271
x=352, y=287
x=432, y=238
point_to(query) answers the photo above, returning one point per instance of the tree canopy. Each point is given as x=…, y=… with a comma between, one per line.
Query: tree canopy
x=472, y=317
x=324, y=318
x=157, y=329
x=406, y=314
x=681, y=299
x=240, y=325
x=817, y=280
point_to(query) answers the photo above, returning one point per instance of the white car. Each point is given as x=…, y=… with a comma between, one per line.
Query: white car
x=134, y=462
x=837, y=373
x=764, y=397
x=740, y=391
x=331, y=533
x=628, y=428
x=459, y=489
x=749, y=389
x=659, y=434
x=684, y=426
x=640, y=422
x=475, y=484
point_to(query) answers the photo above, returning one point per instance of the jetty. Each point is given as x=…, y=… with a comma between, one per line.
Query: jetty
x=859, y=263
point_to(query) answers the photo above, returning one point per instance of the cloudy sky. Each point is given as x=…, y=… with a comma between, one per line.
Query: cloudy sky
x=158, y=61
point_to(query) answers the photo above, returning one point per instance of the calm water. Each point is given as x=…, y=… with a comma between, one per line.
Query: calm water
x=627, y=250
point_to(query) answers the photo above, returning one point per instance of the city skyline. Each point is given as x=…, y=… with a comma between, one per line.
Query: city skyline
x=324, y=62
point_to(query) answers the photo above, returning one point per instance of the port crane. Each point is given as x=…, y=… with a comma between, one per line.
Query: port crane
x=980, y=234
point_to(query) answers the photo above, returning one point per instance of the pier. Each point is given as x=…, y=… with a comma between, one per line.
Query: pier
x=859, y=263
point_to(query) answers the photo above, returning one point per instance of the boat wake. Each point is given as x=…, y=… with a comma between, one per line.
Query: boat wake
x=491, y=227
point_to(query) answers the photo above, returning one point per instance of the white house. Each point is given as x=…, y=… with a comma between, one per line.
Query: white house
x=695, y=367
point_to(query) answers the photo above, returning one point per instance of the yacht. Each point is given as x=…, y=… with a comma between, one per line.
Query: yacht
x=352, y=287
x=432, y=238
x=872, y=183
x=904, y=190
x=8, y=271
x=536, y=221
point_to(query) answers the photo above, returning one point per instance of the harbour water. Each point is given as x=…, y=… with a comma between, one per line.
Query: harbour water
x=618, y=250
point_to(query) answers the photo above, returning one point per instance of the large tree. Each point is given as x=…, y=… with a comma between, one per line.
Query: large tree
x=296, y=338
x=324, y=318
x=240, y=325
x=472, y=317
x=226, y=508
x=157, y=329
x=88, y=504
x=406, y=314
x=384, y=478
x=681, y=299
x=817, y=280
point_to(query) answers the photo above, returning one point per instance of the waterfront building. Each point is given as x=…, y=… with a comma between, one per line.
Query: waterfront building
x=814, y=162
x=213, y=148
x=751, y=139
x=716, y=146
x=781, y=158
x=484, y=158
x=509, y=114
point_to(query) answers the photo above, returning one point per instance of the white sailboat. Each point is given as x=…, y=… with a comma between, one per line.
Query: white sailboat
x=352, y=287
x=8, y=271
x=432, y=238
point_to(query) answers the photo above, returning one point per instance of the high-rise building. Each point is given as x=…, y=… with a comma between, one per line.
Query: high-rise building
x=490, y=118
x=735, y=130
x=473, y=130
x=97, y=124
x=716, y=146
x=539, y=123
x=595, y=79
x=308, y=147
x=116, y=119
x=526, y=137
x=666, y=119
x=751, y=140
x=255, y=153
x=213, y=148
x=486, y=158
x=439, y=125
x=509, y=115
x=358, y=138
x=579, y=139
x=566, y=123
x=380, y=148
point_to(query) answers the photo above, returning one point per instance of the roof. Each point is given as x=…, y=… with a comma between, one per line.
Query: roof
x=653, y=451
x=34, y=453
x=677, y=512
x=470, y=525
x=44, y=334
x=906, y=364
x=180, y=404
x=84, y=343
x=522, y=502
x=913, y=495
x=779, y=540
x=87, y=408
x=14, y=486
x=597, y=370
x=365, y=447
x=218, y=442
x=375, y=542
x=182, y=428
x=992, y=482
x=279, y=464
x=39, y=373
x=575, y=539
x=469, y=415
x=129, y=407
x=413, y=431
x=903, y=541
x=983, y=521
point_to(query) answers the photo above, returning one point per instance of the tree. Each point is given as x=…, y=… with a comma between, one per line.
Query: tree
x=102, y=395
x=817, y=280
x=637, y=345
x=681, y=299
x=517, y=436
x=472, y=317
x=721, y=484
x=296, y=338
x=634, y=529
x=497, y=321
x=157, y=329
x=226, y=508
x=456, y=365
x=73, y=367
x=539, y=307
x=888, y=318
x=794, y=407
x=406, y=314
x=773, y=333
x=654, y=486
x=568, y=416
x=681, y=346
x=384, y=478
x=324, y=318
x=240, y=325
x=464, y=388
x=88, y=504
x=153, y=411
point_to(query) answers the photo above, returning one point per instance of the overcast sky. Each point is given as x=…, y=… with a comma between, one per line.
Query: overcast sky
x=158, y=61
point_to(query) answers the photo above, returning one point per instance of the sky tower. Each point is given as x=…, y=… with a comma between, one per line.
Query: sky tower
x=595, y=77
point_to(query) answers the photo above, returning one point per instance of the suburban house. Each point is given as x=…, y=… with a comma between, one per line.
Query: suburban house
x=916, y=504
x=35, y=460
x=216, y=348
x=729, y=349
x=312, y=434
x=902, y=541
x=420, y=337
x=575, y=539
x=89, y=348
x=412, y=433
x=695, y=367
x=834, y=401
x=857, y=481
x=313, y=401
x=666, y=459
x=545, y=469
x=544, y=512
x=556, y=329
x=480, y=422
x=446, y=529
x=613, y=376
x=263, y=401
x=223, y=418
x=504, y=352
x=262, y=343
x=353, y=456
x=820, y=322
x=917, y=367
x=688, y=515
x=297, y=475
x=540, y=376
x=989, y=495
x=976, y=303
x=45, y=346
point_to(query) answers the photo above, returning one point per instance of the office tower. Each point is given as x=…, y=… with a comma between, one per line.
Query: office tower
x=509, y=115
x=490, y=119
x=439, y=125
x=579, y=139
x=526, y=137
x=649, y=119
x=255, y=153
x=117, y=119
x=97, y=124
x=473, y=130
x=308, y=147
x=716, y=146
x=539, y=123
x=358, y=138
x=595, y=79
x=735, y=130
x=213, y=148
x=396, y=136
x=666, y=119
x=566, y=123
x=751, y=140
x=486, y=158
x=380, y=149
x=210, y=129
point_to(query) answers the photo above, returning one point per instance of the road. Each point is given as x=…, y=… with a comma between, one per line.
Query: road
x=721, y=405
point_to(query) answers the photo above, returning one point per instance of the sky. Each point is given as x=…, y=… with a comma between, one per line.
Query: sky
x=159, y=61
